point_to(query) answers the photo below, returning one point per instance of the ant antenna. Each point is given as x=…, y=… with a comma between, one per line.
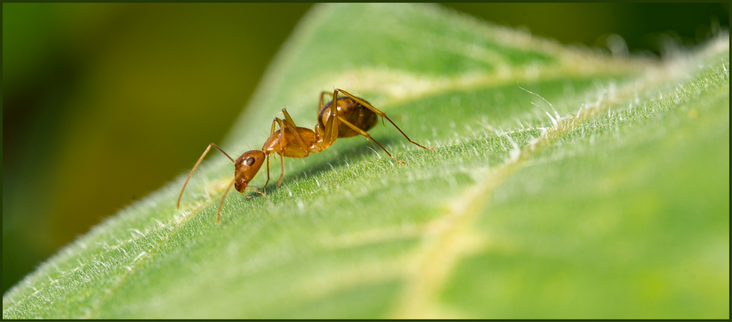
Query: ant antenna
x=218, y=212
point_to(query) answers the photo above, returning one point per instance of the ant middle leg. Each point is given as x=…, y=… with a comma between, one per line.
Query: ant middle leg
x=379, y=113
x=320, y=105
x=282, y=148
x=327, y=134
x=287, y=125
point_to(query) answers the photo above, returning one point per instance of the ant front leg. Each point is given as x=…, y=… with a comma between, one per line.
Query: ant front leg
x=271, y=132
x=379, y=113
x=266, y=182
x=221, y=203
x=288, y=126
x=177, y=206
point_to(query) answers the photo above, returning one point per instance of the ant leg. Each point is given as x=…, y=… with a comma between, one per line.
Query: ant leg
x=177, y=206
x=218, y=212
x=221, y=203
x=255, y=191
x=282, y=161
x=368, y=136
x=283, y=142
x=282, y=149
x=382, y=114
x=320, y=105
x=328, y=134
x=325, y=135
x=289, y=124
x=293, y=129
x=331, y=127
x=271, y=131
x=266, y=182
x=288, y=118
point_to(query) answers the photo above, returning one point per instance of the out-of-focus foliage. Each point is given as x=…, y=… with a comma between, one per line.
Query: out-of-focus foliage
x=644, y=27
x=607, y=196
x=103, y=103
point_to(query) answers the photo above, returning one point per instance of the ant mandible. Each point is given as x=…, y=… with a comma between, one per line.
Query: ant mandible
x=351, y=116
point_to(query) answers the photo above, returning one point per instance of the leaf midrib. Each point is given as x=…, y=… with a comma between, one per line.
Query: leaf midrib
x=440, y=253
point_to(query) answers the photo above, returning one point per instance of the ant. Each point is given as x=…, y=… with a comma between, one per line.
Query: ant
x=351, y=116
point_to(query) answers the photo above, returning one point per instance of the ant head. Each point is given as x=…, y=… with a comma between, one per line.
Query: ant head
x=246, y=167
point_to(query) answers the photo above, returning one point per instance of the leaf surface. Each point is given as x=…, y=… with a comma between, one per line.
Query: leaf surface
x=565, y=183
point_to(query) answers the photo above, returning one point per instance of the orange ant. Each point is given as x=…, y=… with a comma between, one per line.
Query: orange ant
x=352, y=116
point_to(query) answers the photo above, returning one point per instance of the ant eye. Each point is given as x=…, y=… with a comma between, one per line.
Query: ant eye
x=249, y=161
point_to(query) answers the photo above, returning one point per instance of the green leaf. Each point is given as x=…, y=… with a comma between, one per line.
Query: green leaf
x=565, y=183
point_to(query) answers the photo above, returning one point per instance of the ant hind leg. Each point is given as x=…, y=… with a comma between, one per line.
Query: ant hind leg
x=382, y=114
x=368, y=137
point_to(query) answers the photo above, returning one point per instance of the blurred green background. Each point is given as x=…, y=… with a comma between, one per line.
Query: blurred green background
x=105, y=103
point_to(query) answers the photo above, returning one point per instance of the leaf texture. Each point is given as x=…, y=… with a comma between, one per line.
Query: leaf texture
x=565, y=183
